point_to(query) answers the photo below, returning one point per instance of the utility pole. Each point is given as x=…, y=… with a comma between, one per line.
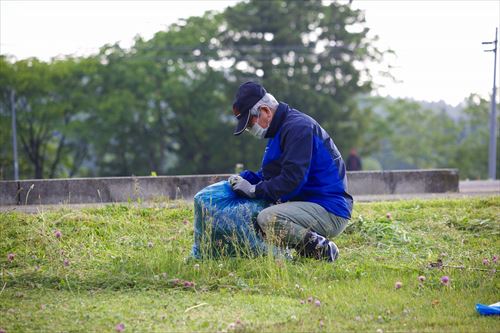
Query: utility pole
x=14, y=134
x=492, y=155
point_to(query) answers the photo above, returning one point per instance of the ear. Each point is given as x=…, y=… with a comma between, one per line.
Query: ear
x=267, y=109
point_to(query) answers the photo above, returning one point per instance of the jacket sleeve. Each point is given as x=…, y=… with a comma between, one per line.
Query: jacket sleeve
x=297, y=148
x=252, y=177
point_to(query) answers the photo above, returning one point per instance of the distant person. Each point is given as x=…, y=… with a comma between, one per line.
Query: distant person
x=302, y=172
x=354, y=161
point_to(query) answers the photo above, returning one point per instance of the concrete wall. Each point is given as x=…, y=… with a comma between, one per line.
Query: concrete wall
x=121, y=189
x=403, y=181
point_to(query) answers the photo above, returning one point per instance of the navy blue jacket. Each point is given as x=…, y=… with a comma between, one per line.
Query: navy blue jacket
x=301, y=163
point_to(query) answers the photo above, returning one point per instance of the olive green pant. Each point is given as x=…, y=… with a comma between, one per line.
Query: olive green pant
x=290, y=221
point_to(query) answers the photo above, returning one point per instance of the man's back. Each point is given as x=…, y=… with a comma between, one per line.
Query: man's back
x=302, y=161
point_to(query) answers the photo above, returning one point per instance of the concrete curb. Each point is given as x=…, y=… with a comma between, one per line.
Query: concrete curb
x=123, y=189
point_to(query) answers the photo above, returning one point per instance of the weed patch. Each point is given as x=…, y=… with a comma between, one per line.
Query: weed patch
x=404, y=266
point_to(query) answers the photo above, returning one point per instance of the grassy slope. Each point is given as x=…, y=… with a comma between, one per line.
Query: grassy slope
x=123, y=262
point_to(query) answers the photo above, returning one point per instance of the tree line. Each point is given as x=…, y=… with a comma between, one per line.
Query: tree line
x=164, y=105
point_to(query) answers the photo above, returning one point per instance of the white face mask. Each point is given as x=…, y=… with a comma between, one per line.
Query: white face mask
x=256, y=130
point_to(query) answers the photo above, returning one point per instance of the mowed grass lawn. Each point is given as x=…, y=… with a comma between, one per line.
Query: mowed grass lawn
x=123, y=268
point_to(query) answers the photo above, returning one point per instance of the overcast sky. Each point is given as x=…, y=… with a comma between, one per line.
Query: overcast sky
x=438, y=43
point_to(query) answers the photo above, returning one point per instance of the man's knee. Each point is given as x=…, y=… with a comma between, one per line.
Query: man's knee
x=265, y=218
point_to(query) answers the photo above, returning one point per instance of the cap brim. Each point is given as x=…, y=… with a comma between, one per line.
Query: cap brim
x=242, y=124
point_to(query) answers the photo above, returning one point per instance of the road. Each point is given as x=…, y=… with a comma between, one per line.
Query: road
x=466, y=189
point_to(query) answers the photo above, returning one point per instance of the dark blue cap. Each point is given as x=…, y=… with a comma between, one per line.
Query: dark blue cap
x=248, y=94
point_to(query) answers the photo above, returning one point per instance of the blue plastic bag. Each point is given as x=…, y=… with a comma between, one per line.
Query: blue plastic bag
x=488, y=310
x=226, y=224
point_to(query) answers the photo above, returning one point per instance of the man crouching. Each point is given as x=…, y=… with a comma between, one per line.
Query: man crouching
x=302, y=172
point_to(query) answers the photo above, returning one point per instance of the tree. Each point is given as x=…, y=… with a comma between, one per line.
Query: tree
x=473, y=142
x=159, y=105
x=193, y=86
x=413, y=136
x=7, y=82
x=130, y=127
x=164, y=105
x=193, y=93
x=48, y=98
x=311, y=55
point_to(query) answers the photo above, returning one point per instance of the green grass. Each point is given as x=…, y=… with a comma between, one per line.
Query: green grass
x=126, y=265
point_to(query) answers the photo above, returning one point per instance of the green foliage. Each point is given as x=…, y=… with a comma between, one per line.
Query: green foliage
x=164, y=104
x=48, y=98
x=305, y=54
x=473, y=143
x=127, y=264
x=408, y=135
x=382, y=231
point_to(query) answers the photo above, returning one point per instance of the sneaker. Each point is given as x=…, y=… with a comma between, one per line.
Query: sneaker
x=308, y=248
x=329, y=251
x=319, y=247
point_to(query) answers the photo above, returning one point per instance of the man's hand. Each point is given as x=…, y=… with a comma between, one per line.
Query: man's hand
x=234, y=179
x=244, y=189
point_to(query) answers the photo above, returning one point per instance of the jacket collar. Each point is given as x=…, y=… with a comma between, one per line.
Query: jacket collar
x=278, y=118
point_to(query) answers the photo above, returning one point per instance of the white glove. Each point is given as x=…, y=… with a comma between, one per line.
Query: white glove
x=245, y=189
x=234, y=179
